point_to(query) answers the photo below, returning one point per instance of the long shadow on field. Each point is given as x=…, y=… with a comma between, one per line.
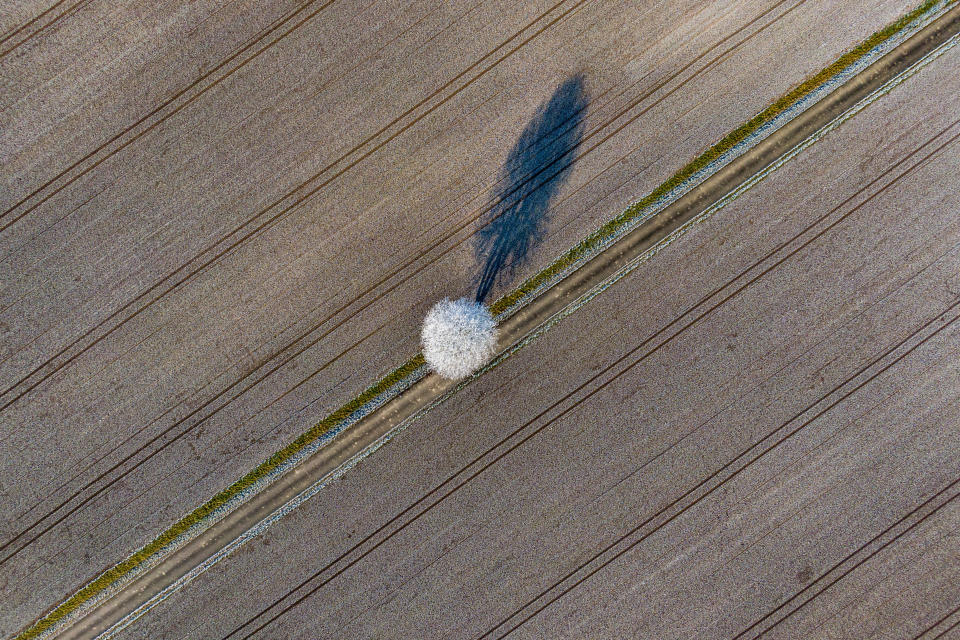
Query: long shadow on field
x=535, y=169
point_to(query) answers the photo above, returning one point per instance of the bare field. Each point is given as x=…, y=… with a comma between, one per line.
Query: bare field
x=220, y=221
x=786, y=461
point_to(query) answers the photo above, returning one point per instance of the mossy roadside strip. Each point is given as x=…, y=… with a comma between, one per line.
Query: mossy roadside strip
x=376, y=393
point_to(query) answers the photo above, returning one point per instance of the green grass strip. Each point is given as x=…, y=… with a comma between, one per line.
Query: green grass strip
x=268, y=466
x=584, y=248
x=732, y=139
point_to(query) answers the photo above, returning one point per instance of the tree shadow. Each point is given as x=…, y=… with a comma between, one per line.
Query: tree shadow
x=537, y=166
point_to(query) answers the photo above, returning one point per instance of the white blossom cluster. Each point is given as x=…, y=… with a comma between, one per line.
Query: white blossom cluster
x=459, y=337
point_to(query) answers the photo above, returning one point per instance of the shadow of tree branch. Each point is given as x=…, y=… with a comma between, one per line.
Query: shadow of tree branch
x=515, y=225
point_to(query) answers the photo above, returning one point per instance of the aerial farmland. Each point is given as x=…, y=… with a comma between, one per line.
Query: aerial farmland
x=465, y=320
